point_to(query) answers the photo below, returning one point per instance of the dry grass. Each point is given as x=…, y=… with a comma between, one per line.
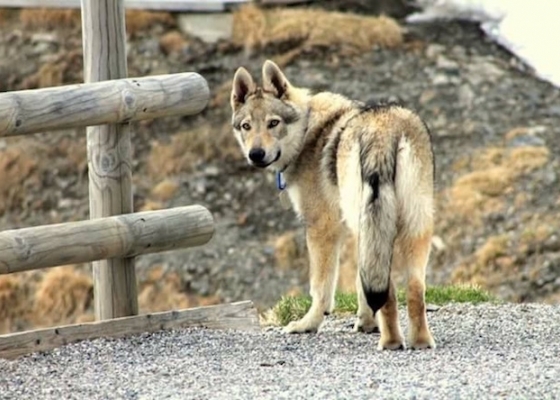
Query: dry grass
x=524, y=160
x=164, y=291
x=288, y=32
x=44, y=298
x=65, y=68
x=63, y=295
x=255, y=28
x=493, y=173
x=49, y=74
x=488, y=182
x=491, y=182
x=536, y=232
x=150, y=205
x=49, y=19
x=172, y=42
x=188, y=149
x=13, y=302
x=139, y=20
x=165, y=190
x=17, y=166
x=489, y=261
x=6, y=14
x=495, y=246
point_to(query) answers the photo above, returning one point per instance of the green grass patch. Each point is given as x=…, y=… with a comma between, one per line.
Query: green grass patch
x=292, y=308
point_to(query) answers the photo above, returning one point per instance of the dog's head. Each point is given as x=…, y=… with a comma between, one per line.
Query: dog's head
x=269, y=121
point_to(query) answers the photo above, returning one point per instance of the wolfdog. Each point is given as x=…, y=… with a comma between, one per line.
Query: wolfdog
x=347, y=166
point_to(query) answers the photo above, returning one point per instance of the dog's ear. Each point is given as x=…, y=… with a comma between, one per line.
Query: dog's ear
x=243, y=85
x=274, y=79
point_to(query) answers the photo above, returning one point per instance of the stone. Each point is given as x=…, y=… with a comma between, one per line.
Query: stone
x=434, y=50
x=209, y=28
x=446, y=64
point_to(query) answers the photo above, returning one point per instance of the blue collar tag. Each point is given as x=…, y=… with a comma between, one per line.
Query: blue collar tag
x=280, y=182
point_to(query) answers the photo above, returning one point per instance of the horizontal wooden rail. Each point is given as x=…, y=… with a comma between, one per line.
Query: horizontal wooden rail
x=125, y=235
x=108, y=102
x=238, y=316
x=176, y=5
x=169, y=5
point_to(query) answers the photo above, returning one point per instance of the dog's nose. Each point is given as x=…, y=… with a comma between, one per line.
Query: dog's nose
x=257, y=155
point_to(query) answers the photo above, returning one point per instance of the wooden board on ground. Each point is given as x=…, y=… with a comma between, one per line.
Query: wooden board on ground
x=240, y=316
x=164, y=5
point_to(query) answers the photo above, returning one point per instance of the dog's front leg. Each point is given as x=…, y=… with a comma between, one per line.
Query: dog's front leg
x=323, y=243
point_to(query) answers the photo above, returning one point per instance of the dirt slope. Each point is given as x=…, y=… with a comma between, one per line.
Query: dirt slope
x=495, y=137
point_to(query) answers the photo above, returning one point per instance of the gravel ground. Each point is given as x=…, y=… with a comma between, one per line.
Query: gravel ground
x=485, y=351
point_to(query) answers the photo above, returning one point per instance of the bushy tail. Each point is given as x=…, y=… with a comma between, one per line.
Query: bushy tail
x=378, y=228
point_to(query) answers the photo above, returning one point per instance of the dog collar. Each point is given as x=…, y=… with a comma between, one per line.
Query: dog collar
x=280, y=182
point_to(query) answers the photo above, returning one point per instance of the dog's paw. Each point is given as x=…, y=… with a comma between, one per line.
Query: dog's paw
x=329, y=310
x=390, y=343
x=423, y=342
x=366, y=325
x=304, y=325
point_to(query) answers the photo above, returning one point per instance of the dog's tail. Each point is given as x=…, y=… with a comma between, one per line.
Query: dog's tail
x=378, y=222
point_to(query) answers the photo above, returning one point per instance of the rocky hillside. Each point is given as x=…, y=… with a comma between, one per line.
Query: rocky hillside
x=495, y=137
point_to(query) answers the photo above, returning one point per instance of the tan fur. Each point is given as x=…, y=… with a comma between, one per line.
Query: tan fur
x=348, y=167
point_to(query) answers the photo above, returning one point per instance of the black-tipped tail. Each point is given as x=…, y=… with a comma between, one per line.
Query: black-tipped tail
x=375, y=299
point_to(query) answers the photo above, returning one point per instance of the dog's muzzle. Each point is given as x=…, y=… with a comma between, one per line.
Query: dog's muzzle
x=257, y=157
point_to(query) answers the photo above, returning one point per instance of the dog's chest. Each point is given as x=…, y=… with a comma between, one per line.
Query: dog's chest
x=294, y=193
x=311, y=202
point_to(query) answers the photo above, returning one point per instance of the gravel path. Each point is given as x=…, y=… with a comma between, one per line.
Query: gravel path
x=486, y=351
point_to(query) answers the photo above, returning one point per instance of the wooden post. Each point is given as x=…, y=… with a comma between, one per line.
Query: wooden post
x=109, y=154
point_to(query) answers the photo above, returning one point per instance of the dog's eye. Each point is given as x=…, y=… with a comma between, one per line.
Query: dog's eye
x=246, y=126
x=273, y=123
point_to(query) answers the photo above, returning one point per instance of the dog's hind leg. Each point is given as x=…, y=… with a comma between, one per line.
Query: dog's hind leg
x=414, y=253
x=365, y=320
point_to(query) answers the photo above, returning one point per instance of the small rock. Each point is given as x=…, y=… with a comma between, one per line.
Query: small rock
x=150, y=47
x=483, y=71
x=427, y=95
x=432, y=308
x=445, y=63
x=211, y=170
x=208, y=27
x=527, y=140
x=553, y=111
x=458, y=51
x=438, y=243
x=466, y=95
x=440, y=79
x=434, y=50
x=44, y=37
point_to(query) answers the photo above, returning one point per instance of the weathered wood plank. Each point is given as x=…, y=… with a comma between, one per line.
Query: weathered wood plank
x=109, y=152
x=116, y=101
x=167, y=5
x=170, y=5
x=126, y=235
x=239, y=316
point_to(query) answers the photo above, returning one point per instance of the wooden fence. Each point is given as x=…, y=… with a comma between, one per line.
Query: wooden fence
x=106, y=104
